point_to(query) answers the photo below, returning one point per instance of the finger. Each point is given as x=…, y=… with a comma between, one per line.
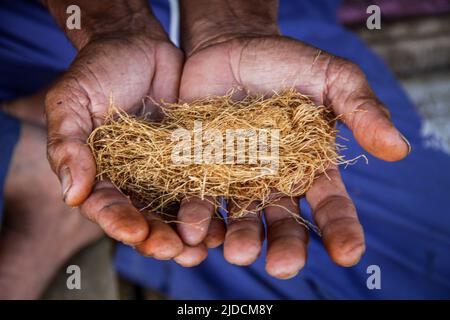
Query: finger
x=115, y=214
x=165, y=82
x=163, y=243
x=287, y=239
x=192, y=256
x=244, y=236
x=350, y=95
x=69, y=125
x=194, y=217
x=166, y=79
x=216, y=232
x=335, y=215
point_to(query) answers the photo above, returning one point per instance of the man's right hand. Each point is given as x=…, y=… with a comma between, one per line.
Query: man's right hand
x=124, y=54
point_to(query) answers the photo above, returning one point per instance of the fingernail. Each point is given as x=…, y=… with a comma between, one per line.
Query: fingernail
x=66, y=181
x=407, y=143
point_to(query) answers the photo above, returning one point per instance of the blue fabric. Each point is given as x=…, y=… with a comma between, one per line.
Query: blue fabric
x=9, y=133
x=33, y=51
x=403, y=206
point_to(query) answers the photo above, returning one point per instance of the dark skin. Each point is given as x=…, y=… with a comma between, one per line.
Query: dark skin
x=227, y=44
x=37, y=235
x=122, y=50
x=242, y=47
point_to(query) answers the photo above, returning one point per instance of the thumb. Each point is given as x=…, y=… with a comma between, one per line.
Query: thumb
x=69, y=124
x=350, y=95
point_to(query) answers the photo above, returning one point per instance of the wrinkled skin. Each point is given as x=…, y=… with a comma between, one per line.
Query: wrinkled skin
x=131, y=66
x=128, y=66
x=262, y=65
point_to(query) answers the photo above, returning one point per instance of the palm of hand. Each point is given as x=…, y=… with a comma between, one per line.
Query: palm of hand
x=127, y=68
x=264, y=65
x=124, y=69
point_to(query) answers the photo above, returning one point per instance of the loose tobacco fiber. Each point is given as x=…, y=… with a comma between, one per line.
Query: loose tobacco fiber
x=137, y=154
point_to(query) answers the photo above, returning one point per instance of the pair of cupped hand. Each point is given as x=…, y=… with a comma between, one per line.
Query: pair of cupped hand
x=131, y=66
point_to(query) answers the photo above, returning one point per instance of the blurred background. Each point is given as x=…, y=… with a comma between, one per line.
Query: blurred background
x=414, y=41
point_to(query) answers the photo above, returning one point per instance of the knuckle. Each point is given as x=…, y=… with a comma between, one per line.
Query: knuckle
x=66, y=110
x=61, y=149
x=65, y=93
x=346, y=70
